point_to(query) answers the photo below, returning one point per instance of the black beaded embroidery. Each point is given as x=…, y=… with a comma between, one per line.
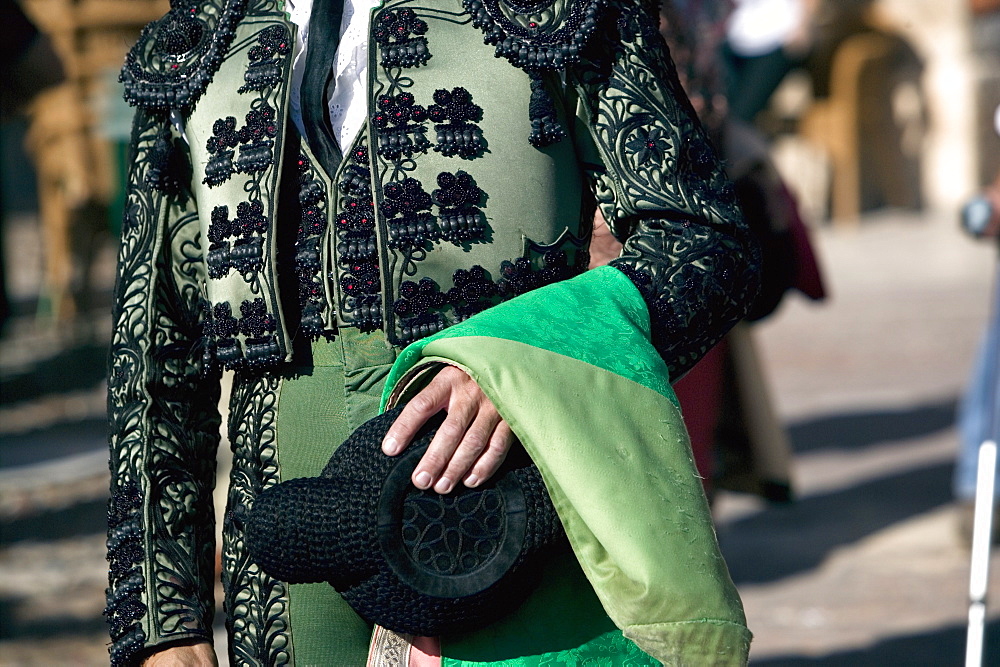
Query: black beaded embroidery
x=220, y=345
x=224, y=138
x=180, y=33
x=246, y=254
x=421, y=307
x=176, y=57
x=473, y=292
x=416, y=308
x=459, y=217
x=405, y=206
x=169, y=171
x=401, y=126
x=401, y=41
x=356, y=245
x=265, y=67
x=125, y=553
x=550, y=45
x=258, y=325
x=455, y=115
x=308, y=263
x=521, y=275
x=545, y=127
x=255, y=140
x=534, y=46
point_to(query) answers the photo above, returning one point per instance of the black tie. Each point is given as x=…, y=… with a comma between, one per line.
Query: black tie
x=317, y=82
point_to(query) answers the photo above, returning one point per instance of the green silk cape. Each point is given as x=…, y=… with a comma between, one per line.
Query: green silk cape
x=571, y=369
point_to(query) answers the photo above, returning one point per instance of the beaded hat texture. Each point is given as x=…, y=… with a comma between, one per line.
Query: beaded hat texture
x=409, y=560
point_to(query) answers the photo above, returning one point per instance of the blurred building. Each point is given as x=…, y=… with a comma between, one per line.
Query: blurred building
x=75, y=137
x=893, y=111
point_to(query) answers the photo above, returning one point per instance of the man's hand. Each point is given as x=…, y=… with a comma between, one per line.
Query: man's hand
x=200, y=654
x=469, y=445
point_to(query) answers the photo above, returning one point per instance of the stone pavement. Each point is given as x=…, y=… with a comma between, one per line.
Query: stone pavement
x=865, y=568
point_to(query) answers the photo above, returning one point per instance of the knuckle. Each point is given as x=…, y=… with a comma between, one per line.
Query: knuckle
x=421, y=403
x=471, y=390
x=432, y=461
x=450, y=430
x=477, y=440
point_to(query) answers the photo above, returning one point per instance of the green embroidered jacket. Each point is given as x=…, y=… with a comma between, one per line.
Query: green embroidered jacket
x=495, y=129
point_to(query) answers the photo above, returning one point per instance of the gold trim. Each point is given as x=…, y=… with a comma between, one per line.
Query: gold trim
x=389, y=649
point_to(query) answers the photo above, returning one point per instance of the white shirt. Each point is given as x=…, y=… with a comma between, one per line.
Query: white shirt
x=757, y=27
x=348, y=103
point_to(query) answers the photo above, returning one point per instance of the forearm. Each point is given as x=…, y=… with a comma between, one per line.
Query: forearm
x=697, y=283
x=662, y=189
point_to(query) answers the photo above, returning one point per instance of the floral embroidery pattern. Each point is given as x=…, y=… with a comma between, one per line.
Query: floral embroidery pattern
x=159, y=579
x=695, y=263
x=650, y=144
x=246, y=255
x=400, y=36
x=265, y=68
x=455, y=115
x=256, y=605
x=402, y=126
x=459, y=217
x=308, y=264
x=359, y=281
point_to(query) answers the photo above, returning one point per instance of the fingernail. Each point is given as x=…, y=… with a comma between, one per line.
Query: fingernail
x=389, y=446
x=471, y=481
x=443, y=485
x=423, y=480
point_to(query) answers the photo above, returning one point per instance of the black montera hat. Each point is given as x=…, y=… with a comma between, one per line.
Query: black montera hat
x=412, y=561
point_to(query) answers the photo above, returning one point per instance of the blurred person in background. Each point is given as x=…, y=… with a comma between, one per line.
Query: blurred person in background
x=738, y=441
x=28, y=65
x=765, y=40
x=736, y=437
x=978, y=418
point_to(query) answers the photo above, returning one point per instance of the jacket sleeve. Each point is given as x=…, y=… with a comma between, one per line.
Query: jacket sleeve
x=164, y=421
x=661, y=188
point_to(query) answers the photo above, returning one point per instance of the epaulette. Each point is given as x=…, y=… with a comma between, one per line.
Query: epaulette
x=176, y=56
x=537, y=36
